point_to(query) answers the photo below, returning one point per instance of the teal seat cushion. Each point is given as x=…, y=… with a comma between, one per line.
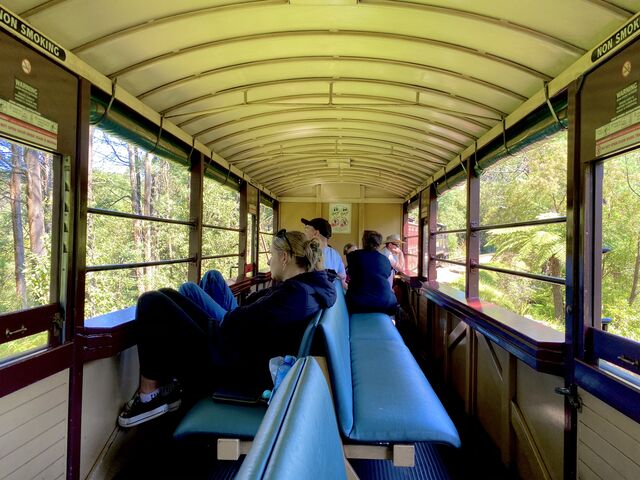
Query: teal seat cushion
x=393, y=400
x=372, y=326
x=217, y=419
x=299, y=437
x=334, y=332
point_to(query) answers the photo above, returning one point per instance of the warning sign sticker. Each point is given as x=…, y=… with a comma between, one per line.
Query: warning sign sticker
x=25, y=124
x=618, y=140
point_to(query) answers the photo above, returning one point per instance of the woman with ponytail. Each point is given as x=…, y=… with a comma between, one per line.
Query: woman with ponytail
x=201, y=337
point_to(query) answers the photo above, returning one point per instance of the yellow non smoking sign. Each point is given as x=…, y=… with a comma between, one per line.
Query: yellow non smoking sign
x=627, y=31
x=25, y=31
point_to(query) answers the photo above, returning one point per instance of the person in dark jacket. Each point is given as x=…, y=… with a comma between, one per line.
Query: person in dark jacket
x=202, y=338
x=368, y=271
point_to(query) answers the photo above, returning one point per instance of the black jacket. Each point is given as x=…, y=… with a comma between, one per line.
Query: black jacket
x=270, y=324
x=369, y=289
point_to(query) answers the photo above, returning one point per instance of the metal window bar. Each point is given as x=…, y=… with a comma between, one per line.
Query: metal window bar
x=227, y=255
x=114, y=213
x=446, y=260
x=532, y=276
x=530, y=223
x=218, y=227
x=444, y=232
x=266, y=233
x=123, y=266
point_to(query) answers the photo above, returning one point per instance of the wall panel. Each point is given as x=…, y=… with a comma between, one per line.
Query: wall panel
x=106, y=385
x=33, y=430
x=608, y=441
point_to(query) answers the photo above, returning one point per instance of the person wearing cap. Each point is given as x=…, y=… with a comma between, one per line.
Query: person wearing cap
x=321, y=229
x=393, y=251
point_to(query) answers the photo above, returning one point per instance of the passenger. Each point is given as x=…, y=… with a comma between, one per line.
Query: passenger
x=368, y=273
x=202, y=338
x=321, y=229
x=348, y=248
x=395, y=255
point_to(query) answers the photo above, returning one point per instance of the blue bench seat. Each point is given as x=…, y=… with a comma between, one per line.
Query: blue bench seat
x=380, y=392
x=299, y=435
x=214, y=419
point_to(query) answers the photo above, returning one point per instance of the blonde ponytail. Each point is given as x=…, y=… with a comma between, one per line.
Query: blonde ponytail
x=307, y=253
x=313, y=254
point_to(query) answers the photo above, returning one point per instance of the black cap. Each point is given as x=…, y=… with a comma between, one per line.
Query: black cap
x=319, y=224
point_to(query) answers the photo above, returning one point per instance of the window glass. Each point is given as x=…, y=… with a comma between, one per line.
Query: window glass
x=265, y=236
x=411, y=237
x=621, y=244
x=24, y=345
x=125, y=178
x=528, y=185
x=26, y=183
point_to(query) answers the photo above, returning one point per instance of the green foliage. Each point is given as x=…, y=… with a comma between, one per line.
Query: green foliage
x=23, y=345
x=621, y=235
x=129, y=180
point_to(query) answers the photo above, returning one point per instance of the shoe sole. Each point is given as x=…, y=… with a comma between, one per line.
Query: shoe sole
x=172, y=407
x=143, y=417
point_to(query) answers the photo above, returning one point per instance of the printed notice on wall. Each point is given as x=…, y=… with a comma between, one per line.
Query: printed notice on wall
x=26, y=124
x=624, y=129
x=25, y=94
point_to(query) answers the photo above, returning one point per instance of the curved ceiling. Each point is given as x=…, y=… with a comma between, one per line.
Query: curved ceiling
x=379, y=93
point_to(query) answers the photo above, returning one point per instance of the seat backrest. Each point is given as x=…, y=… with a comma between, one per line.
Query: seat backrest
x=299, y=434
x=334, y=332
x=307, y=337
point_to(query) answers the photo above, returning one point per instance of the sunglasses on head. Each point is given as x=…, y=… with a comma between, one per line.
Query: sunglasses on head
x=283, y=234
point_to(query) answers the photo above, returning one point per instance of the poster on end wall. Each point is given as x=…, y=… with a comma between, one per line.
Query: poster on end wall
x=340, y=217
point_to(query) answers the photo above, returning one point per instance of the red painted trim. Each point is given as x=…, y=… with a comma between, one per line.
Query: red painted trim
x=33, y=321
x=22, y=373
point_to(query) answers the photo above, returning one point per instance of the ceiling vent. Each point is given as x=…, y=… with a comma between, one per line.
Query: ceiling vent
x=339, y=163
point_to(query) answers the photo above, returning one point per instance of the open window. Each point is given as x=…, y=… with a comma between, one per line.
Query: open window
x=29, y=186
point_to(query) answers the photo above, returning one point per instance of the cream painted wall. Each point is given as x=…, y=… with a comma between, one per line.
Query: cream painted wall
x=291, y=213
x=385, y=218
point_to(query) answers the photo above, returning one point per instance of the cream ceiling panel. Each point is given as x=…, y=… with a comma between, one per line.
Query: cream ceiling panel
x=297, y=95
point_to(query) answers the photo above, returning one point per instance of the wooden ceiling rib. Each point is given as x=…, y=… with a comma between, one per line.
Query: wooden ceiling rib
x=379, y=93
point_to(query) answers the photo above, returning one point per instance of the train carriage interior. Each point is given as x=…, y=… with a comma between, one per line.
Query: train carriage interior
x=496, y=143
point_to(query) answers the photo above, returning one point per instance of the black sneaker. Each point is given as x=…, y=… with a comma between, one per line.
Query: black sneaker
x=136, y=412
x=172, y=394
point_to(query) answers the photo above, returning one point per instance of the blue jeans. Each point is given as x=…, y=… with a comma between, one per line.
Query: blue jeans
x=212, y=294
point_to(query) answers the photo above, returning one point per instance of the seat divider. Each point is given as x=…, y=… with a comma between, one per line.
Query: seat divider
x=232, y=448
x=402, y=455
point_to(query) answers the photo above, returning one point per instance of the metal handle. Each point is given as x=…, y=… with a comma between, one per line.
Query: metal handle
x=629, y=361
x=9, y=333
